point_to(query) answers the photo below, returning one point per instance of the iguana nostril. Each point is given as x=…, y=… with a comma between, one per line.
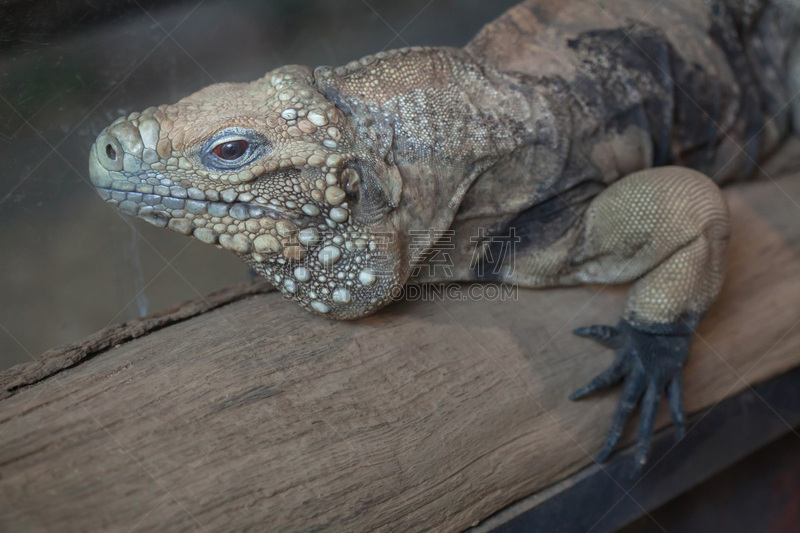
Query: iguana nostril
x=107, y=152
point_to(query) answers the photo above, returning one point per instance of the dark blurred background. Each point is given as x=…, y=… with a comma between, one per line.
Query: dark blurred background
x=71, y=265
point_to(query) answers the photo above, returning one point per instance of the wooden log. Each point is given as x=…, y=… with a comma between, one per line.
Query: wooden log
x=242, y=410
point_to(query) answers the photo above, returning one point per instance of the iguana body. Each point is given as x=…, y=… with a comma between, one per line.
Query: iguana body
x=537, y=134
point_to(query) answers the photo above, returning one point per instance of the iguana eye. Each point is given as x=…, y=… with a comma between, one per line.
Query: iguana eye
x=231, y=150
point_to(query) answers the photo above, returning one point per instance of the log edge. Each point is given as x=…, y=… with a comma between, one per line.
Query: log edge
x=57, y=360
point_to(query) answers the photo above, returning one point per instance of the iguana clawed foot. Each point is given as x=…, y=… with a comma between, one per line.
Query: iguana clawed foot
x=649, y=364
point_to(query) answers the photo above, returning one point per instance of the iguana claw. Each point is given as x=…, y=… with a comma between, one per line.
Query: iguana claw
x=650, y=364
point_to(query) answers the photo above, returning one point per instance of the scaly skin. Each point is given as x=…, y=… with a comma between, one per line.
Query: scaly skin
x=545, y=124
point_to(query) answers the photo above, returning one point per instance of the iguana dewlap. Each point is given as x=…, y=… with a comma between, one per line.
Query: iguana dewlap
x=542, y=133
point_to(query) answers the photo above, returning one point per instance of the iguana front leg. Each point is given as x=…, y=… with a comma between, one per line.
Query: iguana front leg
x=667, y=228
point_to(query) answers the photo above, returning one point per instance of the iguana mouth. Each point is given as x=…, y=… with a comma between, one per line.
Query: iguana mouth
x=175, y=201
x=170, y=210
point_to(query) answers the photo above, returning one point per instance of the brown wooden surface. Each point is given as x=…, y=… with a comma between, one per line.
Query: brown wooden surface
x=243, y=410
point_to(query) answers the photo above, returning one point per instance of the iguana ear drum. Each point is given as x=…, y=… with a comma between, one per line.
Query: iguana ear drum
x=369, y=203
x=352, y=184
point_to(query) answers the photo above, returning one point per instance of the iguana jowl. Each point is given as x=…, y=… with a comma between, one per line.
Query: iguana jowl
x=547, y=126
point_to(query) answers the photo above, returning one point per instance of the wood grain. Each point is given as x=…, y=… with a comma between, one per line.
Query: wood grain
x=428, y=415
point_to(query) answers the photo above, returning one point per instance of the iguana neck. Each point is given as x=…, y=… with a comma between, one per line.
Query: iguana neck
x=428, y=121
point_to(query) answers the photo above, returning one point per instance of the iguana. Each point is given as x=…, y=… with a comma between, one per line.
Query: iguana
x=590, y=134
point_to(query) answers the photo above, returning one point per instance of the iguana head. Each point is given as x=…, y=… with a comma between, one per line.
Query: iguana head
x=269, y=171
